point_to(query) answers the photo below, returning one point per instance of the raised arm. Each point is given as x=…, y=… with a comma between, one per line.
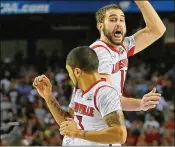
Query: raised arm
x=154, y=26
x=44, y=88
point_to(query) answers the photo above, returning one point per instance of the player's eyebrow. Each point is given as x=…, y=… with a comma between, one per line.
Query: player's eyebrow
x=122, y=15
x=116, y=15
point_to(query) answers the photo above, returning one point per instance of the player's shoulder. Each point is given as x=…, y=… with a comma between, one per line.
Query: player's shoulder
x=105, y=93
x=128, y=41
x=129, y=38
x=104, y=88
x=101, y=48
x=98, y=44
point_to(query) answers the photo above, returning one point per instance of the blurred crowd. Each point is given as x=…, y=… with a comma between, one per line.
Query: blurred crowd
x=154, y=127
x=25, y=119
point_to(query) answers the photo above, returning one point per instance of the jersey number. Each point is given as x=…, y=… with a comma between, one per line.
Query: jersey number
x=80, y=121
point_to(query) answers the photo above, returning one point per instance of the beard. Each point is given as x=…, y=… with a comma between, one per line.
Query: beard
x=111, y=39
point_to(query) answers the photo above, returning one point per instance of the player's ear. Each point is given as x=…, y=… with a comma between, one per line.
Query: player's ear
x=77, y=72
x=100, y=26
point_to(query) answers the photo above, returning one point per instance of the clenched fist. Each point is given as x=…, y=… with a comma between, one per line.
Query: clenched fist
x=69, y=128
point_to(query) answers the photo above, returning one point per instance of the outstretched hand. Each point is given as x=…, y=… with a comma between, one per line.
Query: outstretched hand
x=150, y=100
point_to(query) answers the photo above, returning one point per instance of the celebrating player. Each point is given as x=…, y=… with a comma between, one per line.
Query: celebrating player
x=113, y=48
x=95, y=108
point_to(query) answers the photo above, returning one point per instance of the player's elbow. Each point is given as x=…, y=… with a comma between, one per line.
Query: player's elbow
x=121, y=135
x=124, y=136
x=161, y=31
x=157, y=32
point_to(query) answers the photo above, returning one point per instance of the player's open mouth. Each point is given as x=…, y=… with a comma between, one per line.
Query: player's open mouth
x=118, y=34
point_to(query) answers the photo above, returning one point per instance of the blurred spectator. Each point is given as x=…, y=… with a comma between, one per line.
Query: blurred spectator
x=40, y=111
x=151, y=123
x=5, y=83
x=141, y=140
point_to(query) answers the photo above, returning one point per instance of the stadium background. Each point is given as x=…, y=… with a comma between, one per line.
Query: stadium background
x=35, y=39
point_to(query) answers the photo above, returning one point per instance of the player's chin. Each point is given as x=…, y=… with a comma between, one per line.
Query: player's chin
x=118, y=41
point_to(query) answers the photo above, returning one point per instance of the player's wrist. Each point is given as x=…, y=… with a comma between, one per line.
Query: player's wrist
x=141, y=104
x=81, y=134
x=48, y=96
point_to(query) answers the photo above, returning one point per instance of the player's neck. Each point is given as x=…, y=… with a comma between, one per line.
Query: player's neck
x=103, y=38
x=88, y=80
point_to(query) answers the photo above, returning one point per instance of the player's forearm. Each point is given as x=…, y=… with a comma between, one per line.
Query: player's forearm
x=105, y=136
x=152, y=20
x=56, y=110
x=130, y=104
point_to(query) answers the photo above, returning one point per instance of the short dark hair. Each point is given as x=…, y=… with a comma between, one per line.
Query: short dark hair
x=100, y=14
x=83, y=57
